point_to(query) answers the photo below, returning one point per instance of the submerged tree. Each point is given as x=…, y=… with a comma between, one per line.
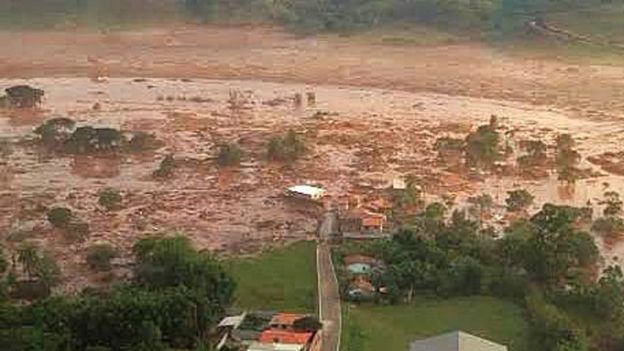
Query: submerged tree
x=24, y=96
x=482, y=146
x=566, y=158
x=287, y=148
x=229, y=155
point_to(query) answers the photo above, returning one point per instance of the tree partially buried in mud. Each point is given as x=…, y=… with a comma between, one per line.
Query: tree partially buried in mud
x=518, y=200
x=229, y=155
x=567, y=158
x=22, y=96
x=109, y=198
x=287, y=148
x=62, y=135
x=482, y=145
x=165, y=168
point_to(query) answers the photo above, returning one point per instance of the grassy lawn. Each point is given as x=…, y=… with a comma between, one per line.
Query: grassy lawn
x=278, y=279
x=392, y=328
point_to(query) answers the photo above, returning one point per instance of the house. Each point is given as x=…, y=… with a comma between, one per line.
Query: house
x=360, y=220
x=455, y=341
x=285, y=321
x=373, y=223
x=266, y=331
x=307, y=192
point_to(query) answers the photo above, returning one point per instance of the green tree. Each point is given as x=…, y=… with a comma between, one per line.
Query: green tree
x=99, y=256
x=482, y=146
x=109, y=198
x=518, y=200
x=24, y=96
x=612, y=203
x=287, y=148
x=60, y=217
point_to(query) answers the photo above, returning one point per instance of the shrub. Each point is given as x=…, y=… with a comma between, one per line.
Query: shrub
x=60, y=217
x=166, y=167
x=109, y=198
x=29, y=290
x=229, y=155
x=518, y=200
x=76, y=231
x=99, y=257
x=56, y=131
x=24, y=96
x=287, y=148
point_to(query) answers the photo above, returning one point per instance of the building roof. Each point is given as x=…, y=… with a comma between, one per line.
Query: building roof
x=373, y=220
x=363, y=284
x=285, y=318
x=359, y=268
x=232, y=321
x=259, y=346
x=278, y=336
x=455, y=341
x=307, y=190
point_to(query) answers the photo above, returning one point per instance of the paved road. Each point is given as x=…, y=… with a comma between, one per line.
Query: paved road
x=329, y=296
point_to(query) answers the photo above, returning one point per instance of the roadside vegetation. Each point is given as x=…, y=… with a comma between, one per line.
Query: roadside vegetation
x=175, y=296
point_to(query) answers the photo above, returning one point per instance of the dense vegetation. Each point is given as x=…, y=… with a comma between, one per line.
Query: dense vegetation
x=310, y=15
x=176, y=296
x=547, y=263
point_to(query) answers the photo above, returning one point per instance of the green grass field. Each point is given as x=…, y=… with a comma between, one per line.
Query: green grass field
x=279, y=279
x=392, y=328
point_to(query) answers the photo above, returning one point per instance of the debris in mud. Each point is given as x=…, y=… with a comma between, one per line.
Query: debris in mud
x=612, y=162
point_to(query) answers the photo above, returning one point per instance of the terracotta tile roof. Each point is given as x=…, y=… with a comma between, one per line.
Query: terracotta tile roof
x=284, y=337
x=373, y=221
x=285, y=318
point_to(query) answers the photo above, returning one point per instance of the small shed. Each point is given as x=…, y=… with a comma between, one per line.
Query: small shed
x=455, y=341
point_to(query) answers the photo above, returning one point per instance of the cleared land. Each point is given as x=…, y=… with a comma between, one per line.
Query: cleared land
x=392, y=328
x=281, y=279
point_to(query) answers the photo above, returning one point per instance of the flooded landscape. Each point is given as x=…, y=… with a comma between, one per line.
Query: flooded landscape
x=359, y=140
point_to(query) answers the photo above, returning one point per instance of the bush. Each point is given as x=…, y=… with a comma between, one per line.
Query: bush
x=54, y=132
x=109, y=198
x=518, y=200
x=287, y=148
x=24, y=96
x=166, y=167
x=229, y=155
x=76, y=231
x=29, y=290
x=60, y=217
x=99, y=257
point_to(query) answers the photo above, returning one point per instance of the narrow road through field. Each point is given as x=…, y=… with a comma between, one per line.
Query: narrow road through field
x=329, y=296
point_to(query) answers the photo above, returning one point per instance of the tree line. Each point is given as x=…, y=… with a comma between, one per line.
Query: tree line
x=548, y=263
x=309, y=15
x=176, y=295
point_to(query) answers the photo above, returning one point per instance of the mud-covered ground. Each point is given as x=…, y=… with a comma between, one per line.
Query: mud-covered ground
x=379, y=110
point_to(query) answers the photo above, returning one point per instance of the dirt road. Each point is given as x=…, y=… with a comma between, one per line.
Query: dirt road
x=329, y=296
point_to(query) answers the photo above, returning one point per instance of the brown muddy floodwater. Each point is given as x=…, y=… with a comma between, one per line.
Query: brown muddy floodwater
x=358, y=139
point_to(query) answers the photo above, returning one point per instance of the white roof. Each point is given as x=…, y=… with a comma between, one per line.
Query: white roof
x=258, y=346
x=456, y=341
x=232, y=321
x=307, y=190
